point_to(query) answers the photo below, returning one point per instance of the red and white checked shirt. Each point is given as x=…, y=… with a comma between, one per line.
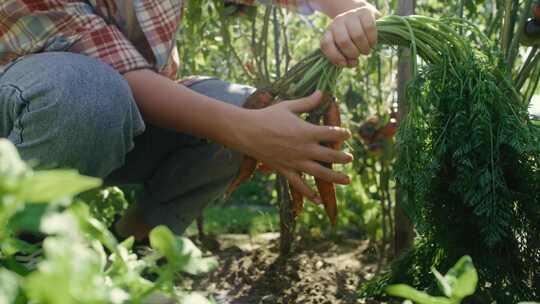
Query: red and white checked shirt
x=126, y=34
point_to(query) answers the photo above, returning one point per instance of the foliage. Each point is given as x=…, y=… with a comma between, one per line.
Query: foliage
x=372, y=83
x=467, y=159
x=217, y=41
x=81, y=261
x=459, y=283
x=105, y=204
x=240, y=219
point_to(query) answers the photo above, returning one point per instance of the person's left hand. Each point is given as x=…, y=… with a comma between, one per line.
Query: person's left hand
x=350, y=34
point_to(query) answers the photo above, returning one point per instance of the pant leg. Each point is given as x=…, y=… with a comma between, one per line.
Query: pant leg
x=182, y=174
x=65, y=110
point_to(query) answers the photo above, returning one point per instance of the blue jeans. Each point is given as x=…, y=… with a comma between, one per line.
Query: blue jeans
x=64, y=110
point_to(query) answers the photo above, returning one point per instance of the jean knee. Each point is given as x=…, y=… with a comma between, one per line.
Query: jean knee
x=84, y=117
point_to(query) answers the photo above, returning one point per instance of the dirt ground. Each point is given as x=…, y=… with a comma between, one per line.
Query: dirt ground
x=318, y=272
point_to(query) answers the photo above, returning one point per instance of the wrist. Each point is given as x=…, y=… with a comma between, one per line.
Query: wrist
x=233, y=127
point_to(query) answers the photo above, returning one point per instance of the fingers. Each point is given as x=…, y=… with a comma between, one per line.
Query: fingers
x=351, y=34
x=296, y=181
x=343, y=39
x=317, y=170
x=327, y=155
x=331, y=134
x=304, y=105
x=358, y=36
x=329, y=48
x=369, y=27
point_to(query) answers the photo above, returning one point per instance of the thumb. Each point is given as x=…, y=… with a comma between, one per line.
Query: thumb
x=306, y=104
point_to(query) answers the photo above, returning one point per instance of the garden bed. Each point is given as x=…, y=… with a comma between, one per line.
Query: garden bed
x=319, y=271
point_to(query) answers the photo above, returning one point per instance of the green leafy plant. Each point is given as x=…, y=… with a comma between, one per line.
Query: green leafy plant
x=79, y=260
x=459, y=283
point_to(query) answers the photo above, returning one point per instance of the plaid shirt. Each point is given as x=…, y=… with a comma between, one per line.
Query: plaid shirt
x=126, y=34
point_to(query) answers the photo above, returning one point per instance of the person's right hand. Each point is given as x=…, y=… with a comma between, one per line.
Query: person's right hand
x=279, y=138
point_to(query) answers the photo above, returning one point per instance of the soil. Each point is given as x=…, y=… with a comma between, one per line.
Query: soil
x=317, y=272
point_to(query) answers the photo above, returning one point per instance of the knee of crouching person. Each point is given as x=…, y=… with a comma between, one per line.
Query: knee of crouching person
x=91, y=112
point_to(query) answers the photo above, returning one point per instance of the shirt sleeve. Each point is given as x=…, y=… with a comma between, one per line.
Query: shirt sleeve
x=299, y=6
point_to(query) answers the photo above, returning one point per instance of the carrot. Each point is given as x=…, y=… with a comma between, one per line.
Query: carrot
x=247, y=168
x=327, y=191
x=258, y=100
x=332, y=117
x=265, y=169
x=368, y=129
x=297, y=201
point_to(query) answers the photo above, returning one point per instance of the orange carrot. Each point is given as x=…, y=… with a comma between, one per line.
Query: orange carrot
x=247, y=168
x=332, y=118
x=265, y=169
x=327, y=191
x=258, y=100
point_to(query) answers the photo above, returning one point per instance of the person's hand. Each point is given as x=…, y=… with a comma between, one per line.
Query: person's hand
x=280, y=139
x=350, y=34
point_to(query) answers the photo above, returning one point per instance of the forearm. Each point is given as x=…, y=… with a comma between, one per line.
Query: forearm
x=274, y=135
x=170, y=105
x=332, y=8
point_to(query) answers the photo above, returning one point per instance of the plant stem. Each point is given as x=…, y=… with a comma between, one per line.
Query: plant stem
x=507, y=27
x=514, y=45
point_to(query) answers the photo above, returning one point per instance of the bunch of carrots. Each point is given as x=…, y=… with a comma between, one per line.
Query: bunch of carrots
x=313, y=73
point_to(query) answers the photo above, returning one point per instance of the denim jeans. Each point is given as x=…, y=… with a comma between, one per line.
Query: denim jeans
x=64, y=110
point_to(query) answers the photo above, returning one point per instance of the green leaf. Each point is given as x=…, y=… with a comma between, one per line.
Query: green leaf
x=163, y=241
x=61, y=224
x=92, y=227
x=463, y=278
x=443, y=283
x=49, y=186
x=9, y=286
x=12, y=168
x=196, y=263
x=180, y=252
x=128, y=243
x=407, y=292
x=28, y=219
